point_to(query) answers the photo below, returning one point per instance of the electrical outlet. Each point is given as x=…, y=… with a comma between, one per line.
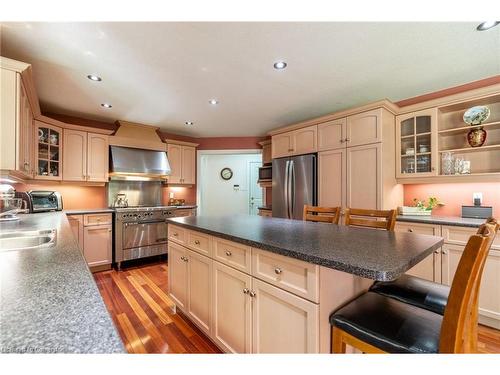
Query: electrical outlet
x=477, y=198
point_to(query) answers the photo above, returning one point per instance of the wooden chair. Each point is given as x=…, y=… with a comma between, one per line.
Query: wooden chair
x=368, y=218
x=321, y=214
x=374, y=323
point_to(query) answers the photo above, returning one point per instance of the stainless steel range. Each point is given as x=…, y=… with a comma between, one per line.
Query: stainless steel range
x=141, y=232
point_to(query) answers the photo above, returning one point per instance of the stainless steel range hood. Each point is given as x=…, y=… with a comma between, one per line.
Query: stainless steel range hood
x=127, y=163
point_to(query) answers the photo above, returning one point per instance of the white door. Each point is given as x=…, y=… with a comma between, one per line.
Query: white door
x=255, y=191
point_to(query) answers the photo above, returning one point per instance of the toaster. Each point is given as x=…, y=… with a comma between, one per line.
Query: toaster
x=41, y=200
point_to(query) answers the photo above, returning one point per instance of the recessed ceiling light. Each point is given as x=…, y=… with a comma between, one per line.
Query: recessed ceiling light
x=106, y=105
x=189, y=123
x=279, y=65
x=213, y=101
x=487, y=25
x=94, y=78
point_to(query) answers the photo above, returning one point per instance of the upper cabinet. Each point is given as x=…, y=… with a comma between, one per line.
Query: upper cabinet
x=416, y=146
x=267, y=157
x=296, y=142
x=332, y=134
x=48, y=151
x=182, y=160
x=86, y=156
x=364, y=128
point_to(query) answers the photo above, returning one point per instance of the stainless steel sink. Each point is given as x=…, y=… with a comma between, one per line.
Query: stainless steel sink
x=23, y=240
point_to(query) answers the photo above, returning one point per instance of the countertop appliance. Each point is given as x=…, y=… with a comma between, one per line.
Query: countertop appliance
x=41, y=200
x=140, y=232
x=294, y=185
x=266, y=173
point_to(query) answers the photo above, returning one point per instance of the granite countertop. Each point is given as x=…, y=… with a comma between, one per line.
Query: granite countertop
x=186, y=206
x=442, y=220
x=373, y=254
x=49, y=300
x=84, y=211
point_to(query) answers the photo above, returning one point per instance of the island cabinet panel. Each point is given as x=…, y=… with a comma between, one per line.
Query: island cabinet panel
x=232, y=309
x=199, y=242
x=430, y=267
x=332, y=179
x=177, y=234
x=298, y=277
x=332, y=134
x=364, y=128
x=199, y=293
x=364, y=177
x=233, y=254
x=177, y=274
x=283, y=322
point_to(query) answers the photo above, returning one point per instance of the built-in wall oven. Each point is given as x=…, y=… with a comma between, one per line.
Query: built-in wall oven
x=140, y=232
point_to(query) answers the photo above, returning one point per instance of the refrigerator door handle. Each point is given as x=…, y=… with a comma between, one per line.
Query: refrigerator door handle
x=287, y=165
x=292, y=190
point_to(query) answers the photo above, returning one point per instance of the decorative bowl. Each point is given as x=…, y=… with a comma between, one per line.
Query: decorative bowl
x=476, y=115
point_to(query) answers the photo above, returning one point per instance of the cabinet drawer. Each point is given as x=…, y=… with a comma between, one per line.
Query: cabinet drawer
x=429, y=229
x=233, y=254
x=199, y=242
x=293, y=275
x=177, y=234
x=460, y=236
x=266, y=213
x=97, y=219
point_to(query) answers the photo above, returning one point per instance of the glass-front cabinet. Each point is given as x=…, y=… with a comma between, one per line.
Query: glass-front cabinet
x=48, y=151
x=416, y=144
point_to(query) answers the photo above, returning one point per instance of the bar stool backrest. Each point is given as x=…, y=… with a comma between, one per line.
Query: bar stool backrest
x=321, y=214
x=368, y=218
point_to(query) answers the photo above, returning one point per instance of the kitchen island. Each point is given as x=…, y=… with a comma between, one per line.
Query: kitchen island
x=260, y=285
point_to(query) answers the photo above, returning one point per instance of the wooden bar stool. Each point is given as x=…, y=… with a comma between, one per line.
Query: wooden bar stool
x=374, y=323
x=321, y=214
x=368, y=218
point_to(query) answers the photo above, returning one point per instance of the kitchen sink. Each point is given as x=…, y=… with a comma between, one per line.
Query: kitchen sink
x=23, y=240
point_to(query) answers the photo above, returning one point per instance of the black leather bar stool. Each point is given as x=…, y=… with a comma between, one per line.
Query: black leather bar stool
x=374, y=323
x=415, y=291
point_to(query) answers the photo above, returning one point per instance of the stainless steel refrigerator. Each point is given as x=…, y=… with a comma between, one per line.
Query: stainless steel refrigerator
x=294, y=185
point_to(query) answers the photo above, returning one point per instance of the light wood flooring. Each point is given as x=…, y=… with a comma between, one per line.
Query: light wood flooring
x=138, y=302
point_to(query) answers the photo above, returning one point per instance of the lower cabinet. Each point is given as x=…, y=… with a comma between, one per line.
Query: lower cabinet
x=97, y=245
x=76, y=224
x=177, y=274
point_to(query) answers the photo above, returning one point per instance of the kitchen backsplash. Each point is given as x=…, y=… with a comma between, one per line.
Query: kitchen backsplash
x=454, y=196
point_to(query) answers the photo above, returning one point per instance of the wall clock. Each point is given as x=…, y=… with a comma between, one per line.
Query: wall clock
x=226, y=173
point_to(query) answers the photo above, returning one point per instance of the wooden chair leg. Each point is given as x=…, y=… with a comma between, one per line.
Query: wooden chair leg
x=338, y=344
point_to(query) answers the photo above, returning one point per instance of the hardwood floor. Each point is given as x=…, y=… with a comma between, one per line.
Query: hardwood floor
x=138, y=302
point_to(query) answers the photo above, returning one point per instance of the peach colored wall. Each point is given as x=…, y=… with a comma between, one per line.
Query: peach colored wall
x=74, y=197
x=187, y=193
x=454, y=196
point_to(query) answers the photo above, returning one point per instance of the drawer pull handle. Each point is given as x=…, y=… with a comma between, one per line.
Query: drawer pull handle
x=252, y=294
x=246, y=291
x=277, y=270
x=410, y=230
x=228, y=253
x=175, y=234
x=196, y=242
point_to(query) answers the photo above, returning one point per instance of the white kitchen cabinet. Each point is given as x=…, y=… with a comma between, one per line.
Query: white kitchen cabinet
x=97, y=157
x=177, y=274
x=199, y=293
x=182, y=159
x=332, y=179
x=296, y=142
x=364, y=128
x=232, y=309
x=188, y=165
x=76, y=224
x=283, y=322
x=282, y=145
x=332, y=134
x=97, y=245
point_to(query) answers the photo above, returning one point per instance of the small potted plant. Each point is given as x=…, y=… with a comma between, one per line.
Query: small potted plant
x=420, y=207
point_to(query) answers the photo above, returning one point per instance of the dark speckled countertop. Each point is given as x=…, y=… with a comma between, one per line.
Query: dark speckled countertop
x=49, y=302
x=442, y=220
x=373, y=254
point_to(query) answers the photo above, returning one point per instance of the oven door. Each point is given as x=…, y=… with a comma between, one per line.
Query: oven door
x=144, y=234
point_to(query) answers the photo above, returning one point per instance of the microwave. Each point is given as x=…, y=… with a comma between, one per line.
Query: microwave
x=266, y=173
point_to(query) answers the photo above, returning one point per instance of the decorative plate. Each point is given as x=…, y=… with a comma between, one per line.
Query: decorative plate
x=476, y=115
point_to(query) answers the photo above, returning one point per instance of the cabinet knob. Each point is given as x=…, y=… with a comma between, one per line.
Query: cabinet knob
x=436, y=251
x=445, y=252
x=246, y=291
x=175, y=234
x=252, y=294
x=342, y=140
x=347, y=140
x=410, y=230
x=228, y=253
x=196, y=242
x=277, y=271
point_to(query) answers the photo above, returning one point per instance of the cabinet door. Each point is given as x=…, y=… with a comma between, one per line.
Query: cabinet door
x=332, y=135
x=9, y=119
x=266, y=154
x=305, y=140
x=48, y=151
x=174, y=153
x=364, y=128
x=97, y=247
x=232, y=307
x=188, y=165
x=75, y=155
x=199, y=294
x=416, y=144
x=282, y=322
x=97, y=157
x=430, y=267
x=76, y=224
x=332, y=178
x=364, y=177
x=177, y=274
x=281, y=145
x=25, y=139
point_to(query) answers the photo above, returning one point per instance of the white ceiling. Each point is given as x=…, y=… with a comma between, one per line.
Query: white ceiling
x=163, y=74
